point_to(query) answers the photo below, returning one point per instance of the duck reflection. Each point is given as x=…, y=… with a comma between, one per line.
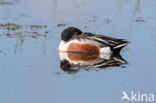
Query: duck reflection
x=73, y=62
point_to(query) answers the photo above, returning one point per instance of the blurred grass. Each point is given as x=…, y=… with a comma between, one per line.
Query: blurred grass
x=136, y=7
x=34, y=31
x=19, y=41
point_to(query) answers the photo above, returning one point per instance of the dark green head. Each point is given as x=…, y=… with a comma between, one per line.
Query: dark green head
x=68, y=33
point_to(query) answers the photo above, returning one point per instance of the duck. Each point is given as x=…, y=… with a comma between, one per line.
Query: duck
x=74, y=40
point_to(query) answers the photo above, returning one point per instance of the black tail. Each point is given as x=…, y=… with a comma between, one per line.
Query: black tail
x=118, y=48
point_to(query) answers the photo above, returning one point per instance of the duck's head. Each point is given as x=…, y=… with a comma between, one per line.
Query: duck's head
x=68, y=33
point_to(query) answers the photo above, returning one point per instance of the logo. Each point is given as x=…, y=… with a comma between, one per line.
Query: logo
x=137, y=97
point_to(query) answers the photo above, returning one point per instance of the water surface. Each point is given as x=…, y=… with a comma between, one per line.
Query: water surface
x=30, y=65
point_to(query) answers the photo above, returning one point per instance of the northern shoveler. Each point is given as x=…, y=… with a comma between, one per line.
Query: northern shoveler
x=74, y=40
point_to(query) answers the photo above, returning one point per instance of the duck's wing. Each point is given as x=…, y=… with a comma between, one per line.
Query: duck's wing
x=114, y=43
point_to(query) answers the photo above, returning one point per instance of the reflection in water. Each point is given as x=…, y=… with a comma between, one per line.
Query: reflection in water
x=8, y=2
x=121, y=4
x=44, y=47
x=20, y=39
x=11, y=30
x=23, y=32
x=72, y=62
x=136, y=8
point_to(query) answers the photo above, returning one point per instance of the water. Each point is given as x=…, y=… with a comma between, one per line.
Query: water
x=30, y=65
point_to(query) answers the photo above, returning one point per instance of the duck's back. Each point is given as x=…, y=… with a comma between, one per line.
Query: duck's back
x=106, y=42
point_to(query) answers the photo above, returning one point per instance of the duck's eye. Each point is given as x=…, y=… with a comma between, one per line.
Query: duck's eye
x=69, y=32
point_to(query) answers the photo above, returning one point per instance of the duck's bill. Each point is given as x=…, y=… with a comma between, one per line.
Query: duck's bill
x=74, y=61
